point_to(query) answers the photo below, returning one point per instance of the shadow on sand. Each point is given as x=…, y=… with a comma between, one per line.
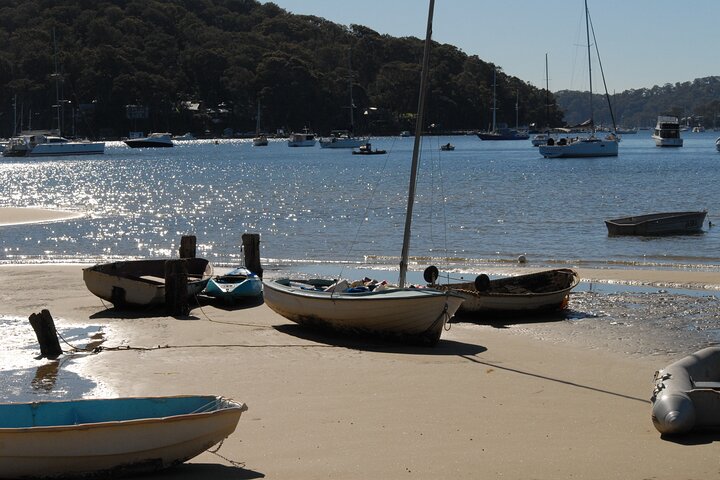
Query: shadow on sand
x=189, y=471
x=375, y=344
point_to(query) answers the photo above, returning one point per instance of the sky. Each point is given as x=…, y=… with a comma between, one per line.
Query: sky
x=642, y=43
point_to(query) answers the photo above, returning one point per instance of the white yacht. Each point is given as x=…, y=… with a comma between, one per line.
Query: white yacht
x=304, y=139
x=342, y=139
x=154, y=140
x=43, y=145
x=667, y=132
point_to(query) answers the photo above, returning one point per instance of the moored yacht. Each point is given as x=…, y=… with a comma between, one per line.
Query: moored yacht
x=154, y=140
x=42, y=145
x=304, y=139
x=341, y=139
x=667, y=132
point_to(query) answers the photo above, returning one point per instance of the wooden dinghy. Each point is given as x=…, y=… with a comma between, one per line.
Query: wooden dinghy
x=666, y=223
x=412, y=315
x=100, y=438
x=141, y=283
x=686, y=396
x=523, y=294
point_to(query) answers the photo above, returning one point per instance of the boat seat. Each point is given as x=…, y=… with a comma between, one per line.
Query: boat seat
x=707, y=385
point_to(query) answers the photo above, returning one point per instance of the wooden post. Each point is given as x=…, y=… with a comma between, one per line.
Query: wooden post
x=187, y=246
x=44, y=327
x=176, y=279
x=251, y=246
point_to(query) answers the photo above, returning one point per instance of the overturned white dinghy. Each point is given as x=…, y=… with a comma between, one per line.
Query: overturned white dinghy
x=687, y=393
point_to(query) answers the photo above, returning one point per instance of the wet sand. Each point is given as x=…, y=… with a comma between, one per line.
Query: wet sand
x=18, y=215
x=486, y=402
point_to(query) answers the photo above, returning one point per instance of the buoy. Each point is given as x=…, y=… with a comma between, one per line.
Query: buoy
x=522, y=259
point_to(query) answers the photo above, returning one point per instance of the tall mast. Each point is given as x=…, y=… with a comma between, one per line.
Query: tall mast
x=547, y=96
x=350, y=86
x=494, y=97
x=587, y=33
x=58, y=107
x=416, y=149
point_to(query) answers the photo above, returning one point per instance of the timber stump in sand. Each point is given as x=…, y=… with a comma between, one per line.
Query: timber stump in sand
x=44, y=327
x=176, y=280
x=251, y=247
x=187, y=246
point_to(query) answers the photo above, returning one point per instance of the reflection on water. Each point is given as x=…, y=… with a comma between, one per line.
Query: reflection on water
x=24, y=376
x=481, y=204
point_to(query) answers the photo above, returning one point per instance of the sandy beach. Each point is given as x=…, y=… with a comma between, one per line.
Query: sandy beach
x=485, y=403
x=18, y=215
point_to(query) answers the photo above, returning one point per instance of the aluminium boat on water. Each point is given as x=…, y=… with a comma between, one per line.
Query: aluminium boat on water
x=666, y=223
x=101, y=438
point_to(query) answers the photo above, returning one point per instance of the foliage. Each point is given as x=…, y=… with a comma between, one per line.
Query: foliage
x=226, y=56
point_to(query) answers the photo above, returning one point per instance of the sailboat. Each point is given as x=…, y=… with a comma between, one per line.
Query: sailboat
x=344, y=138
x=502, y=132
x=415, y=315
x=51, y=143
x=591, y=146
x=260, y=140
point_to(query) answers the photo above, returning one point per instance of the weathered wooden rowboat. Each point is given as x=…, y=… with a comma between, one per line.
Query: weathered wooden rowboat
x=413, y=315
x=667, y=223
x=523, y=294
x=686, y=396
x=108, y=437
x=140, y=283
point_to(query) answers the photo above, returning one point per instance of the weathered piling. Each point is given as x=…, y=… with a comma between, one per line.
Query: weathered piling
x=251, y=247
x=188, y=246
x=44, y=327
x=176, y=281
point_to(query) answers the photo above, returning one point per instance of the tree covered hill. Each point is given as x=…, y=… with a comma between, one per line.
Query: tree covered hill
x=208, y=66
x=203, y=65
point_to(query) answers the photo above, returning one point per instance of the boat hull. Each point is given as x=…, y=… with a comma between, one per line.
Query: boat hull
x=668, y=223
x=342, y=142
x=409, y=315
x=523, y=294
x=141, y=283
x=70, y=148
x=237, y=284
x=103, y=437
x=581, y=149
x=686, y=396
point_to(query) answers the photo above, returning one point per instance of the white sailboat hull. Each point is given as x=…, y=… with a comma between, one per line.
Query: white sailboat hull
x=588, y=147
x=408, y=314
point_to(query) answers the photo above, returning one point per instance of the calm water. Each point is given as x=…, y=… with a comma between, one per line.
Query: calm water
x=485, y=203
x=482, y=205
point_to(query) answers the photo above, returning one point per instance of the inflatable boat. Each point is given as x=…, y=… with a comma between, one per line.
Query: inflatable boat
x=687, y=394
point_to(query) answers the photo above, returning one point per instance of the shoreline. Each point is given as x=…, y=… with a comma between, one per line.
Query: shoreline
x=496, y=400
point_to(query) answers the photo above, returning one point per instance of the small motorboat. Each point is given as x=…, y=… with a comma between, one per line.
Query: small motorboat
x=687, y=394
x=666, y=223
x=100, y=438
x=367, y=150
x=529, y=294
x=141, y=283
x=236, y=284
x=448, y=147
x=154, y=140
